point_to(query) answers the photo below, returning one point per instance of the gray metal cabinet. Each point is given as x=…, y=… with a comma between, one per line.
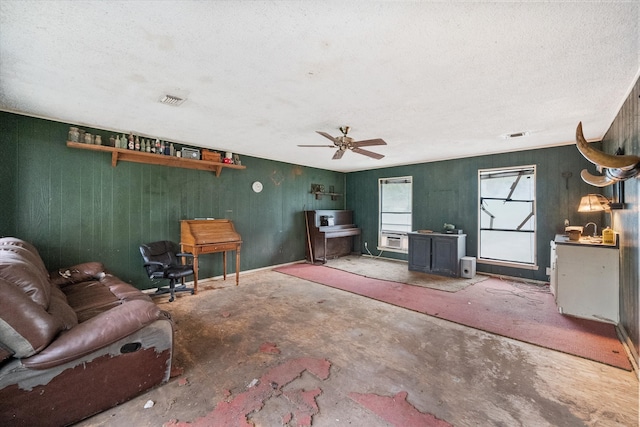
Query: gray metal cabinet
x=436, y=253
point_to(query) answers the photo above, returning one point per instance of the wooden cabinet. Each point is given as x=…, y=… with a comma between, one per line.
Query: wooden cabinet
x=121, y=154
x=436, y=253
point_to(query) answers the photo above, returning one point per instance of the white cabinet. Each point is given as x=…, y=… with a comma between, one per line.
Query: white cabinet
x=586, y=280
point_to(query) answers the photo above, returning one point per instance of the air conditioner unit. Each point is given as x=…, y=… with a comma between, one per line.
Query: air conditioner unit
x=393, y=240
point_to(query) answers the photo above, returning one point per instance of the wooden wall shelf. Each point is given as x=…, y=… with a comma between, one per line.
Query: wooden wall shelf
x=121, y=154
x=319, y=194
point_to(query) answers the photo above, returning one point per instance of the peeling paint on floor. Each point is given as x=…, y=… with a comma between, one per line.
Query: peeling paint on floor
x=269, y=386
x=397, y=410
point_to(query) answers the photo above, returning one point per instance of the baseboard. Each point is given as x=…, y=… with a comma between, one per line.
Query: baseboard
x=629, y=347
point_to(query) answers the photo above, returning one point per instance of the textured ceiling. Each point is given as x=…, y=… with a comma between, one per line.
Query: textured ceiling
x=435, y=80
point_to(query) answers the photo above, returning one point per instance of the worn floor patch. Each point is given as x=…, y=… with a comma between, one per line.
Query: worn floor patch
x=269, y=386
x=397, y=411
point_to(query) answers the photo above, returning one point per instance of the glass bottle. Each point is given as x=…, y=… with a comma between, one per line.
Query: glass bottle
x=73, y=134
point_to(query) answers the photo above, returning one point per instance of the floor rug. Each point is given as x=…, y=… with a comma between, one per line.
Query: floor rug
x=521, y=311
x=398, y=271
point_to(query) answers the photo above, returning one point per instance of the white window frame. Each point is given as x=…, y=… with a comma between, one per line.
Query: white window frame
x=394, y=239
x=483, y=212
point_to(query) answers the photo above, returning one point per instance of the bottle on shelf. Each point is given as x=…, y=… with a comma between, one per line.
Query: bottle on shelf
x=131, y=144
x=143, y=146
x=74, y=134
x=608, y=236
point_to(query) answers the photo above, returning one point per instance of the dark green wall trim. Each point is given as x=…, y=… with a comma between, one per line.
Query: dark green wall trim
x=75, y=207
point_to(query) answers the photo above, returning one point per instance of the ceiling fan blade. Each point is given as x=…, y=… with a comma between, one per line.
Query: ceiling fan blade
x=326, y=135
x=367, y=153
x=369, y=142
x=330, y=146
x=338, y=155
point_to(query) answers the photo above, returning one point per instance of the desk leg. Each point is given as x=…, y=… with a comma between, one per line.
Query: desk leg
x=224, y=265
x=195, y=273
x=237, y=266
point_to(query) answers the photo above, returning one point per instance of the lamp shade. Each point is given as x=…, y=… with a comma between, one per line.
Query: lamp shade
x=593, y=203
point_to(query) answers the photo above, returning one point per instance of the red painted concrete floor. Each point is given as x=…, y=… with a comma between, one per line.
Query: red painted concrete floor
x=280, y=351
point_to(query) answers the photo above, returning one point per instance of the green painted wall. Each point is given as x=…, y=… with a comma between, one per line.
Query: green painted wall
x=75, y=207
x=447, y=191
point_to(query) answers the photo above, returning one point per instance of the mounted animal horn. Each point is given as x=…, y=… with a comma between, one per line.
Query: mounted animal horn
x=616, y=168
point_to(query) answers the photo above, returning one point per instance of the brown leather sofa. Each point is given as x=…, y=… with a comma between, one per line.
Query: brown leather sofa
x=73, y=342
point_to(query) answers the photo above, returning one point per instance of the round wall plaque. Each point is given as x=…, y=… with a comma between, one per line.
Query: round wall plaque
x=257, y=186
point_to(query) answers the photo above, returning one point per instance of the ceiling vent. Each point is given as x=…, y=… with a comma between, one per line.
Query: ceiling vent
x=171, y=100
x=515, y=135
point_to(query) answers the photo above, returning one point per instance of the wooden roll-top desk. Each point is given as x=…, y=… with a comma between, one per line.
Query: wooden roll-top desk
x=205, y=236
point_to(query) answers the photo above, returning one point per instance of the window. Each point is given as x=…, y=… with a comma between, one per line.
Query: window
x=395, y=213
x=507, y=221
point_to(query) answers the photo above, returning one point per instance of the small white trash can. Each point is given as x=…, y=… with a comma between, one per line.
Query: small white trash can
x=467, y=267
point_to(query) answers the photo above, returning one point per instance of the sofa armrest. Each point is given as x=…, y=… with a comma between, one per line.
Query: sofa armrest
x=77, y=273
x=97, y=332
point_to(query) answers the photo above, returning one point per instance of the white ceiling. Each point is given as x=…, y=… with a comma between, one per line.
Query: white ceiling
x=436, y=80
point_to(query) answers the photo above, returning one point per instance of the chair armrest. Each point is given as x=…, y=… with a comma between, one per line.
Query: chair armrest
x=186, y=254
x=96, y=333
x=147, y=264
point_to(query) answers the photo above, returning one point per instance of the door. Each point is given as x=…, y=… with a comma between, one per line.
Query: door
x=444, y=259
x=419, y=253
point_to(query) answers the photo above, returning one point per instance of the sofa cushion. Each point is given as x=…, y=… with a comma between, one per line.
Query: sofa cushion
x=25, y=326
x=89, y=298
x=17, y=265
x=77, y=273
x=26, y=249
x=60, y=309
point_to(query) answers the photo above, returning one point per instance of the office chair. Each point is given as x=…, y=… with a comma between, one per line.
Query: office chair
x=162, y=260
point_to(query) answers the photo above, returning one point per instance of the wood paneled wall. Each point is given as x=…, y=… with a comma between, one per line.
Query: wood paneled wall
x=625, y=132
x=447, y=191
x=75, y=207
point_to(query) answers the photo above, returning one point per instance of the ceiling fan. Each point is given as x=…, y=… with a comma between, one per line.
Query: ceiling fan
x=345, y=143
